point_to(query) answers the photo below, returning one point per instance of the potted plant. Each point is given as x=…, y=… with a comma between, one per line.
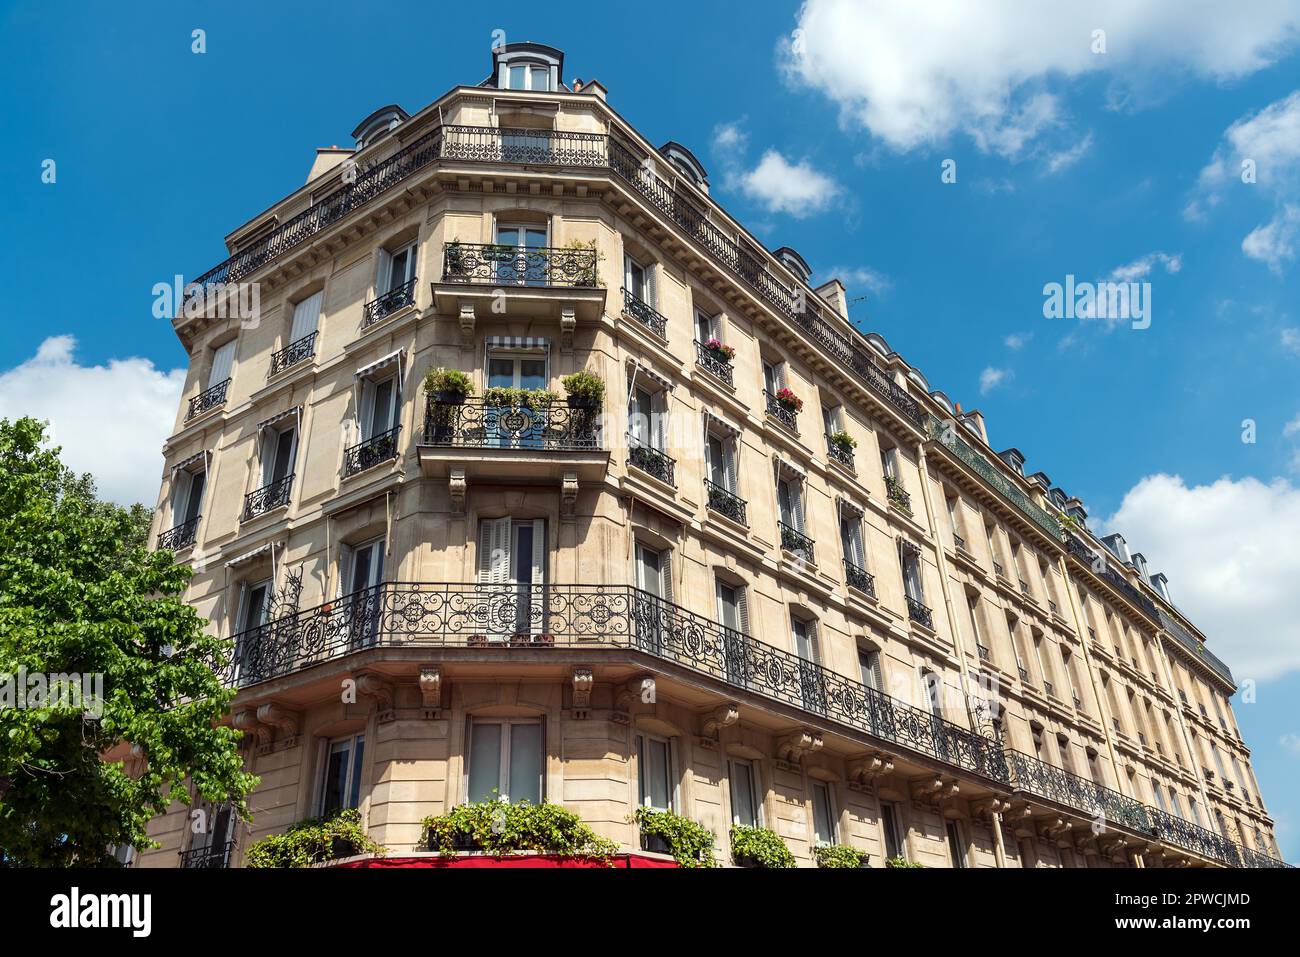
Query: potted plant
x=843, y=441
x=901, y=862
x=789, y=401
x=665, y=832
x=840, y=856
x=719, y=351
x=497, y=827
x=448, y=386
x=759, y=847
x=584, y=273
x=586, y=390
x=314, y=841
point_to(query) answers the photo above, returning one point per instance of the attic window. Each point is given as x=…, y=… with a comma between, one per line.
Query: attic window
x=686, y=163
x=528, y=76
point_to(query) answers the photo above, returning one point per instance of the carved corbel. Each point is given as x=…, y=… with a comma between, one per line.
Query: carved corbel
x=246, y=721
x=568, y=324
x=282, y=719
x=373, y=686
x=867, y=769
x=935, y=789
x=639, y=690
x=456, y=488
x=719, y=718
x=568, y=494
x=430, y=690
x=467, y=319
x=984, y=809
x=1055, y=829
x=584, y=679
x=1113, y=846
x=794, y=746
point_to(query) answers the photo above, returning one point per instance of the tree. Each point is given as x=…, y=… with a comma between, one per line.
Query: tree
x=81, y=595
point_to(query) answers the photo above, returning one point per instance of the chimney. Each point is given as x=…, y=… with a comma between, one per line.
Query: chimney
x=976, y=418
x=834, y=293
x=327, y=158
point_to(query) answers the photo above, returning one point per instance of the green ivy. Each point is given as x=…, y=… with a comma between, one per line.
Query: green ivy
x=765, y=847
x=901, y=861
x=839, y=855
x=585, y=384
x=448, y=380
x=690, y=844
x=313, y=841
x=498, y=827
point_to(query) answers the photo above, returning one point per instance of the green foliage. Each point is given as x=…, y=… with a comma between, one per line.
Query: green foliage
x=586, y=385
x=839, y=855
x=690, y=844
x=506, y=397
x=80, y=593
x=313, y=841
x=901, y=862
x=498, y=827
x=765, y=848
x=448, y=380
x=845, y=441
x=589, y=276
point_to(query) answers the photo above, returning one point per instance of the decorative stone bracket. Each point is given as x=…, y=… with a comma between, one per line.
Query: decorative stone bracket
x=584, y=679
x=865, y=770
x=373, y=686
x=568, y=495
x=568, y=323
x=467, y=320
x=284, y=720
x=640, y=690
x=457, y=487
x=933, y=790
x=431, y=690
x=794, y=746
x=246, y=721
x=717, y=719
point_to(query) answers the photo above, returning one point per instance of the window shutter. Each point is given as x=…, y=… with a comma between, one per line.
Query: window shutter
x=742, y=609
x=666, y=572
x=306, y=316
x=382, y=270
x=796, y=504
x=729, y=462
x=223, y=360
x=651, y=287
x=270, y=444
x=877, y=672
x=493, y=551
x=659, y=420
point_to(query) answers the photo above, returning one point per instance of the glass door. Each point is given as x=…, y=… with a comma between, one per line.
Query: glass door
x=506, y=425
x=365, y=598
x=651, y=575
x=810, y=679
x=520, y=257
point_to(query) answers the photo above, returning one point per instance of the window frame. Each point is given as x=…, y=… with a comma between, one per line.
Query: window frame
x=643, y=741
x=504, y=784
x=755, y=803
x=355, y=772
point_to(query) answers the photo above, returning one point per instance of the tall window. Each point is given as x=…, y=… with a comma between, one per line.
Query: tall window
x=363, y=570
x=811, y=683
x=638, y=280
x=720, y=460
x=341, y=787
x=869, y=667
x=889, y=462
x=744, y=794
x=654, y=772
x=909, y=557
x=732, y=610
x=223, y=360
x=516, y=368
x=279, y=448
x=706, y=326
x=851, y=539
x=1063, y=748
x=932, y=685
x=823, y=817
x=512, y=555
x=647, y=417
x=378, y=406
x=773, y=376
x=396, y=268
x=890, y=829
x=187, y=494
x=528, y=76
x=956, y=846
x=527, y=267
x=505, y=760
x=306, y=317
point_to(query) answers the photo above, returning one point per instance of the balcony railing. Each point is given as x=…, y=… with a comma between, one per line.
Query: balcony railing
x=984, y=653
x=216, y=856
x=725, y=502
x=897, y=495
x=209, y=398
x=643, y=313
x=796, y=542
x=1035, y=776
x=399, y=297
x=268, y=497
x=919, y=613
x=781, y=412
x=839, y=453
x=1189, y=641
x=859, y=578
x=504, y=265
x=181, y=536
x=542, y=426
x=650, y=460
x=295, y=352
x=714, y=364
x=371, y=452
x=1116, y=581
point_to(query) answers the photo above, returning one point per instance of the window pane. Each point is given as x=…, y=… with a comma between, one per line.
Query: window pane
x=532, y=373
x=484, y=761
x=516, y=77
x=541, y=77
x=824, y=826
x=381, y=413
x=889, y=824
x=742, y=795
x=526, y=763
x=727, y=607
x=195, y=496
x=336, y=776
x=354, y=795
x=283, y=455
x=656, y=791
x=501, y=373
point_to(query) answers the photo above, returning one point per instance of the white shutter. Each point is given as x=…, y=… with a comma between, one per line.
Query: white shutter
x=306, y=316
x=223, y=360
x=493, y=551
x=666, y=573
x=659, y=420
x=537, y=592
x=651, y=293
x=796, y=504
x=742, y=610
x=729, y=463
x=345, y=565
x=383, y=268
x=270, y=446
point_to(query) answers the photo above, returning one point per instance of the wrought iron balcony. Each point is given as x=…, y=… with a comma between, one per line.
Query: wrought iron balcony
x=897, y=495
x=919, y=613
x=540, y=426
x=1037, y=777
x=371, y=452
x=796, y=542
x=839, y=453
x=1116, y=581
x=209, y=398
x=268, y=497
x=958, y=540
x=292, y=354
x=859, y=578
x=1174, y=627
x=998, y=569
x=1049, y=687
x=643, y=313
x=181, y=536
x=399, y=297
x=983, y=652
x=781, y=412
x=650, y=460
x=1053, y=607
x=216, y=856
x=502, y=265
x=1023, y=672
x=713, y=363
x=725, y=502
x=1024, y=587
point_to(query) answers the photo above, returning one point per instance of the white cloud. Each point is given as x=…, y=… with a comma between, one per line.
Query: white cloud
x=785, y=187
x=1231, y=550
x=1066, y=158
x=1141, y=268
x=730, y=137
x=110, y=420
x=1274, y=242
x=991, y=378
x=1017, y=340
x=1292, y=427
x=1290, y=742
x=1291, y=340
x=915, y=74
x=860, y=277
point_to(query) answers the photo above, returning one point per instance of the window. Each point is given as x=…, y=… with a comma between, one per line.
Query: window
x=773, y=377
x=1063, y=747
x=517, y=369
x=851, y=539
x=956, y=846
x=187, y=495
x=505, y=760
x=933, y=688
x=512, y=556
x=647, y=417
x=1036, y=730
x=869, y=667
x=1173, y=801
x=306, y=317
x=223, y=360
x=253, y=606
x=654, y=772
x=889, y=462
x=972, y=608
x=365, y=566
x=909, y=557
x=363, y=570
x=954, y=521
x=1160, y=800
x=744, y=794
x=528, y=76
x=1094, y=767
x=526, y=267
x=218, y=828
x=638, y=280
x=889, y=826
x=279, y=448
x=720, y=460
x=378, y=406
x=341, y=787
x=396, y=268
x=732, y=610
x=823, y=819
x=831, y=419
x=653, y=571
x=811, y=684
x=706, y=326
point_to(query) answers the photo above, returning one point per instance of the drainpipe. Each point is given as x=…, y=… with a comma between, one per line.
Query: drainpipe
x=999, y=849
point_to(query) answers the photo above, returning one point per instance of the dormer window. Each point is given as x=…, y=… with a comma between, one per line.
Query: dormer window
x=528, y=76
x=527, y=66
x=378, y=124
x=685, y=163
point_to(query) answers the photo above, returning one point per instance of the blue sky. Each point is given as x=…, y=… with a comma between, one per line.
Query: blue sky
x=832, y=140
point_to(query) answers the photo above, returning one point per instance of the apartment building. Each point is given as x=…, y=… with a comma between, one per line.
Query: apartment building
x=773, y=578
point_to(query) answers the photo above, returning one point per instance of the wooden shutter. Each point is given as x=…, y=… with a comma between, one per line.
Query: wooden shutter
x=666, y=573
x=877, y=674
x=306, y=316
x=223, y=360
x=729, y=462
x=493, y=560
x=537, y=592
x=742, y=610
x=796, y=505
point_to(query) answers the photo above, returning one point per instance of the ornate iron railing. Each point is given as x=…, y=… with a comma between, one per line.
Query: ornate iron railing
x=268, y=497
x=209, y=398
x=1035, y=776
x=485, y=144
x=650, y=460
x=897, y=495
x=725, y=502
x=1189, y=641
x=712, y=363
x=368, y=454
x=216, y=856
x=504, y=265
x=1089, y=557
x=984, y=653
x=399, y=297
x=919, y=613
x=781, y=412
x=292, y=354
x=839, y=453
x=542, y=426
x=796, y=542
x=180, y=536
x=643, y=313
x=1192, y=837
x=859, y=578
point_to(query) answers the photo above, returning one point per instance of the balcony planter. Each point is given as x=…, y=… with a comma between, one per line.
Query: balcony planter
x=655, y=844
x=843, y=441
x=840, y=856
x=448, y=386
x=586, y=390
x=719, y=351
x=314, y=841
x=789, y=401
x=497, y=827
x=665, y=832
x=759, y=847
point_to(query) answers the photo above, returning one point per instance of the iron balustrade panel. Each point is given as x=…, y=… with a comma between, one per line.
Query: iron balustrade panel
x=725, y=502
x=543, y=426
x=919, y=613
x=505, y=265
x=713, y=363
x=531, y=147
x=1195, y=646
x=181, y=536
x=839, y=453
x=1085, y=554
x=208, y=858
x=295, y=352
x=652, y=461
x=371, y=452
x=399, y=297
x=1192, y=837
x=796, y=542
x=268, y=497
x=1035, y=776
x=642, y=312
x=897, y=494
x=782, y=413
x=859, y=578
x=209, y=398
